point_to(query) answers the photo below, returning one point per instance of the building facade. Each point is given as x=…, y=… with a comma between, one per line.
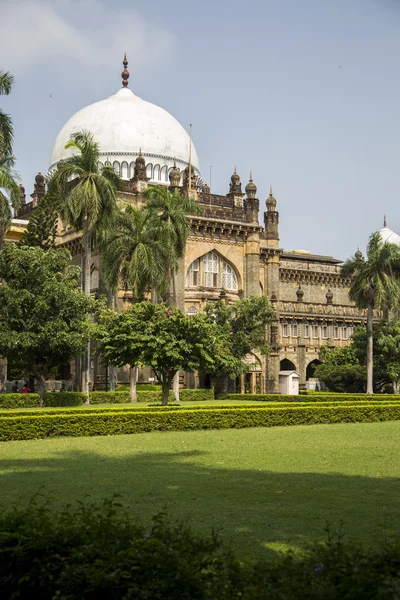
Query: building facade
x=229, y=253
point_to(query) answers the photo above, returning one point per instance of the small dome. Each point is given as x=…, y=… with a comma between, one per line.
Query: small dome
x=251, y=186
x=235, y=177
x=206, y=189
x=140, y=159
x=358, y=254
x=40, y=179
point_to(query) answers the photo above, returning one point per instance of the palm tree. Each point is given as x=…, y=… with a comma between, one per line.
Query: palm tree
x=87, y=195
x=9, y=193
x=6, y=127
x=375, y=284
x=170, y=213
x=133, y=255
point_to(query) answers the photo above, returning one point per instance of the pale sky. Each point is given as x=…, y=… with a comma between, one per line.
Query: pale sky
x=306, y=93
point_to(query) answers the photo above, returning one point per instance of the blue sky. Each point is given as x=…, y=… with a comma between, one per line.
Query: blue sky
x=306, y=93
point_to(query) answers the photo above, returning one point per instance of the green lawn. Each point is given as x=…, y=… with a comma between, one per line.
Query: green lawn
x=266, y=488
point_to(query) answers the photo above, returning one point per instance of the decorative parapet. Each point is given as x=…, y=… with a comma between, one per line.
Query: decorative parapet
x=218, y=227
x=316, y=309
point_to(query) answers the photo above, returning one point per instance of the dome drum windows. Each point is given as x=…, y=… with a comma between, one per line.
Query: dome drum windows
x=211, y=271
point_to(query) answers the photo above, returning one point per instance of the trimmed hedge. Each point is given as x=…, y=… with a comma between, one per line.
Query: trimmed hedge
x=19, y=400
x=315, y=397
x=115, y=423
x=93, y=409
x=98, y=551
x=78, y=398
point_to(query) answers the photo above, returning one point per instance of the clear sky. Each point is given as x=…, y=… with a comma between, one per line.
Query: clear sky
x=306, y=93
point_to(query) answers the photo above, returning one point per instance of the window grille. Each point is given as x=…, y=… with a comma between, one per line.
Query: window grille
x=192, y=276
x=192, y=310
x=230, y=279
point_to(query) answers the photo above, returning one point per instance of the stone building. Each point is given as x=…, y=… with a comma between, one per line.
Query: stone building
x=229, y=254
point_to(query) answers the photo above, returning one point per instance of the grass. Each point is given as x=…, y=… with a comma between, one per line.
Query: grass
x=267, y=488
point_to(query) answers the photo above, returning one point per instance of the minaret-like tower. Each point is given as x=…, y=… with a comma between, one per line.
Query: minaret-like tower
x=235, y=189
x=39, y=189
x=271, y=221
x=139, y=175
x=174, y=177
x=251, y=203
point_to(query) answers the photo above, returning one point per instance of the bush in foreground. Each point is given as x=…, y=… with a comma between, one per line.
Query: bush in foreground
x=99, y=551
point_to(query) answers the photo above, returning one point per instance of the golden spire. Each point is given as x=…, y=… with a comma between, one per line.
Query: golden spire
x=270, y=189
x=384, y=221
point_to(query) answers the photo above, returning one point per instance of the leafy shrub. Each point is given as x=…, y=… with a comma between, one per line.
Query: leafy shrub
x=19, y=400
x=64, y=398
x=197, y=395
x=99, y=551
x=21, y=427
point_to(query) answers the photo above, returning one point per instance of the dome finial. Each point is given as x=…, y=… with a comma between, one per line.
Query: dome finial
x=174, y=162
x=384, y=221
x=270, y=189
x=251, y=176
x=125, y=73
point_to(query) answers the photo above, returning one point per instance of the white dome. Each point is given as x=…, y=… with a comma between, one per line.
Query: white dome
x=387, y=235
x=124, y=124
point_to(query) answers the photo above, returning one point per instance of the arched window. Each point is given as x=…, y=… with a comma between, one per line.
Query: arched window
x=157, y=172
x=164, y=173
x=100, y=165
x=191, y=310
x=124, y=170
x=131, y=170
x=149, y=170
x=210, y=262
x=230, y=279
x=107, y=163
x=94, y=278
x=116, y=167
x=192, y=275
x=212, y=271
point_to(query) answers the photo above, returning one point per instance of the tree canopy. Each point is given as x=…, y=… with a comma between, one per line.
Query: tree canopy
x=43, y=320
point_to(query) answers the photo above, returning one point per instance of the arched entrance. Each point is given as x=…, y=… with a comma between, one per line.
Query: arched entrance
x=287, y=365
x=311, y=367
x=252, y=381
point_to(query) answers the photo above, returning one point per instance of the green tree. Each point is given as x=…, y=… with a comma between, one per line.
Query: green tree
x=374, y=284
x=170, y=213
x=87, y=195
x=341, y=370
x=42, y=310
x=41, y=230
x=163, y=338
x=386, y=351
x=9, y=190
x=244, y=324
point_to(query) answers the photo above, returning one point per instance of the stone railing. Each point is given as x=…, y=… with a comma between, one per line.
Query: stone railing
x=319, y=309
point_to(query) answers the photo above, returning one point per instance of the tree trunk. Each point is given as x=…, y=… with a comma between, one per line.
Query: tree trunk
x=165, y=390
x=370, y=341
x=133, y=372
x=112, y=368
x=86, y=362
x=3, y=375
x=41, y=386
x=175, y=386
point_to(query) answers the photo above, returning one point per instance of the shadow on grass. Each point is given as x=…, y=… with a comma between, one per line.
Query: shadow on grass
x=257, y=510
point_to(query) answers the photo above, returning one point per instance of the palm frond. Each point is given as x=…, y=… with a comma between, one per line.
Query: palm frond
x=6, y=83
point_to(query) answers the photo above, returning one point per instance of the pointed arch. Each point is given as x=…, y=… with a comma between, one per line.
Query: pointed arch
x=149, y=170
x=212, y=270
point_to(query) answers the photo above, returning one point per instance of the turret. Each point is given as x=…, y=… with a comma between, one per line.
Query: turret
x=251, y=203
x=235, y=189
x=271, y=221
x=39, y=189
x=174, y=177
x=139, y=174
